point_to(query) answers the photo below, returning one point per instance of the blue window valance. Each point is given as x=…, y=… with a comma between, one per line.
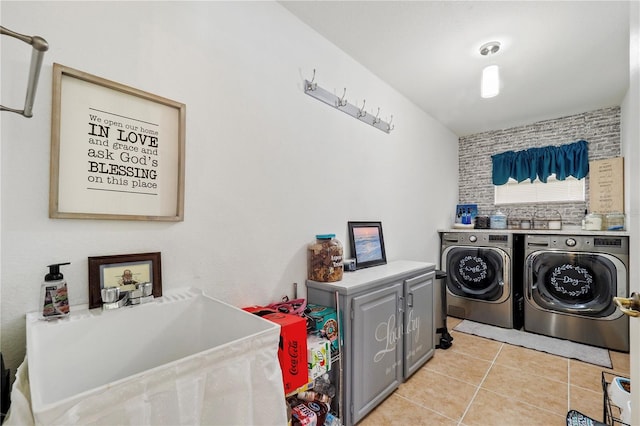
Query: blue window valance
x=564, y=160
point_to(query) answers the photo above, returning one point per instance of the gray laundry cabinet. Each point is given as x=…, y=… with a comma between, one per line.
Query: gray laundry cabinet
x=387, y=330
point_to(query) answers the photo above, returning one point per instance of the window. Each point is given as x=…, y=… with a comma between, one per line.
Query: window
x=527, y=192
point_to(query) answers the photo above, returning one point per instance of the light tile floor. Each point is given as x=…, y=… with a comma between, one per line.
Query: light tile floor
x=478, y=381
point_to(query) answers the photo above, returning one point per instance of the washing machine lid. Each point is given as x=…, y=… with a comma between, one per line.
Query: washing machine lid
x=575, y=283
x=477, y=272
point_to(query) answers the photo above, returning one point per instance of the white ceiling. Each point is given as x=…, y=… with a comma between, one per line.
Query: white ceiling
x=557, y=58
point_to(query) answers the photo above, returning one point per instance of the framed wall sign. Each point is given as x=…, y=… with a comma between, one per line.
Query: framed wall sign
x=124, y=271
x=116, y=152
x=606, y=185
x=367, y=244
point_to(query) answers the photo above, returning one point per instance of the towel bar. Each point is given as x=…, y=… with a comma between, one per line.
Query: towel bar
x=40, y=46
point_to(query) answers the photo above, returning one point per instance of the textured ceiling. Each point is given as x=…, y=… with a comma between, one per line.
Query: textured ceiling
x=557, y=58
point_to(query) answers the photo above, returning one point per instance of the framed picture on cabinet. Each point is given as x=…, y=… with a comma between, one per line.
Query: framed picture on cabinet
x=367, y=244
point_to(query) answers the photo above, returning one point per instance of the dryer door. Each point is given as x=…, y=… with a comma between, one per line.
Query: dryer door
x=480, y=273
x=575, y=282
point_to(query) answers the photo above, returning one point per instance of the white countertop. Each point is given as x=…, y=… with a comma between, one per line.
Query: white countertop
x=566, y=230
x=363, y=278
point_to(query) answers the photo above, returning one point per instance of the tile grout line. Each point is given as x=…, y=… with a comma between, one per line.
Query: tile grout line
x=480, y=385
x=568, y=385
x=411, y=401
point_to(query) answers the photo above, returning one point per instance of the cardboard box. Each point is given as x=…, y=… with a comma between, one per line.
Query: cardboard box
x=292, y=350
x=326, y=322
x=304, y=416
x=318, y=356
x=307, y=386
x=307, y=413
x=259, y=310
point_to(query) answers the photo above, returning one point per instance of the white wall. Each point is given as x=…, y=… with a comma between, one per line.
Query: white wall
x=630, y=141
x=267, y=167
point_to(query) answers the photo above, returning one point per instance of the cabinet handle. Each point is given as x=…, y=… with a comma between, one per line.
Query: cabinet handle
x=410, y=300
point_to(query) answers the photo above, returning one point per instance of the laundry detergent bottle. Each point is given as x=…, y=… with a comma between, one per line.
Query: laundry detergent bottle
x=54, y=297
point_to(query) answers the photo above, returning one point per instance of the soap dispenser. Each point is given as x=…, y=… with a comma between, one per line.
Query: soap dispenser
x=54, y=298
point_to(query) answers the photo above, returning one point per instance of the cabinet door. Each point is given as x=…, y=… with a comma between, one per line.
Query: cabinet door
x=419, y=332
x=376, y=355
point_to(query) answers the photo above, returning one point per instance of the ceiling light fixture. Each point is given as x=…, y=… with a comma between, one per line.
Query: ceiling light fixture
x=490, y=85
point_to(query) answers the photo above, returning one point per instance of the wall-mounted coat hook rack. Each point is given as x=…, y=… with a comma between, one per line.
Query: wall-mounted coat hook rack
x=312, y=89
x=362, y=112
x=310, y=85
x=40, y=46
x=342, y=101
x=376, y=120
x=389, y=124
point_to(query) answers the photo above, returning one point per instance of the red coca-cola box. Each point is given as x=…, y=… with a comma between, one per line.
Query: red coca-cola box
x=292, y=349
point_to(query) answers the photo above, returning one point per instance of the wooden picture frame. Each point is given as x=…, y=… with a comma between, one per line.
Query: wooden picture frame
x=109, y=271
x=116, y=152
x=367, y=244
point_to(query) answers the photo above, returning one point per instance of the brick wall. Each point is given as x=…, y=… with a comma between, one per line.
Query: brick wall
x=601, y=128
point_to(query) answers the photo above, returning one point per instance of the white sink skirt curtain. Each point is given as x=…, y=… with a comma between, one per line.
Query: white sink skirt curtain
x=239, y=383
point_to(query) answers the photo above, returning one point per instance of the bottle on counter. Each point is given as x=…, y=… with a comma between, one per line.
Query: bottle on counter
x=459, y=216
x=54, y=296
x=466, y=218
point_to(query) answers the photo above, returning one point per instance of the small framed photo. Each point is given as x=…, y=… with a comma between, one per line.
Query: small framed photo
x=124, y=271
x=367, y=244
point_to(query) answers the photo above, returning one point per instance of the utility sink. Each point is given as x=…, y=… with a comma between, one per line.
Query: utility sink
x=185, y=358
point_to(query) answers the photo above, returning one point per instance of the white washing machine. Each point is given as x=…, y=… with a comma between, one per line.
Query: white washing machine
x=480, y=277
x=570, y=282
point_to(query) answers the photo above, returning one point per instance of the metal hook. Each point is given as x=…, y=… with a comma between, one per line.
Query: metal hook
x=377, y=119
x=342, y=101
x=362, y=112
x=311, y=85
x=389, y=126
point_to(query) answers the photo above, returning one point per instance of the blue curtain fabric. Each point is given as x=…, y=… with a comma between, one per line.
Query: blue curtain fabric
x=564, y=160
